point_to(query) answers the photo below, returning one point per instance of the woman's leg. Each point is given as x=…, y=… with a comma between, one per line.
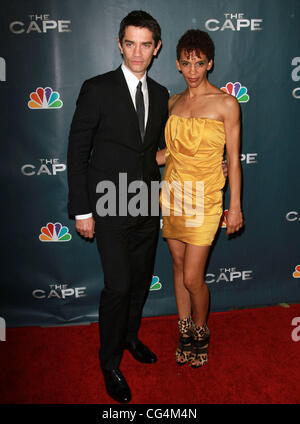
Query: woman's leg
x=194, y=281
x=185, y=324
x=177, y=249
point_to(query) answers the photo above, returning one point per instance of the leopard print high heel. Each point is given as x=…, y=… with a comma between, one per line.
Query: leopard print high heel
x=199, y=355
x=184, y=347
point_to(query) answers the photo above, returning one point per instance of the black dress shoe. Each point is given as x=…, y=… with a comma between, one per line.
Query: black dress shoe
x=116, y=385
x=140, y=352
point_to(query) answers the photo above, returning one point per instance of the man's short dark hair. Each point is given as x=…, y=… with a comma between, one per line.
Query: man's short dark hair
x=139, y=18
x=198, y=41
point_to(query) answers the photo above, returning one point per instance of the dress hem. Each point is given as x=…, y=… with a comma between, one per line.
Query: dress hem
x=185, y=241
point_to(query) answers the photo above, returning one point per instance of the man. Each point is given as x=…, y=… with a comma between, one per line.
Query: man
x=116, y=130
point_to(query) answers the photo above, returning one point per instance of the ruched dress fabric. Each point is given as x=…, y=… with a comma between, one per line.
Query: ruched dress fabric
x=191, y=197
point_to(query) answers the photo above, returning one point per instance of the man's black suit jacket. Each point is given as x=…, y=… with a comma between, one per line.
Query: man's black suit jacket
x=105, y=138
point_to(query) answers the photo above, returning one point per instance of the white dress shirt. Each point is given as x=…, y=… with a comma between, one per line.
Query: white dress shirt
x=132, y=82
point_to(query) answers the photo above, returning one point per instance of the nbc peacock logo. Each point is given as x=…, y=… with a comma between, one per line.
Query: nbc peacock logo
x=237, y=90
x=55, y=233
x=155, y=283
x=45, y=98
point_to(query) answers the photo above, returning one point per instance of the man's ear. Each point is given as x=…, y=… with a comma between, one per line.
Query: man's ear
x=120, y=45
x=157, y=48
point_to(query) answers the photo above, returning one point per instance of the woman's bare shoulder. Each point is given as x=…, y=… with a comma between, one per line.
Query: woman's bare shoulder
x=230, y=103
x=223, y=100
x=173, y=99
x=230, y=108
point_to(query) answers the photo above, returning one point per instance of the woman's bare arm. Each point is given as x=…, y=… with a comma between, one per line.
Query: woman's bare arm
x=232, y=134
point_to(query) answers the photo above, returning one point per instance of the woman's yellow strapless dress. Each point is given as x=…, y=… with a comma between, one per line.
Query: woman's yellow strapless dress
x=191, y=195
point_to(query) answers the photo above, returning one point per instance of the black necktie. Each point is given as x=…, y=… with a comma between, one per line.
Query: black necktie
x=140, y=108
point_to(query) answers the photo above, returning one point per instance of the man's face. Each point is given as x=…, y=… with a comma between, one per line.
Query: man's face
x=138, y=48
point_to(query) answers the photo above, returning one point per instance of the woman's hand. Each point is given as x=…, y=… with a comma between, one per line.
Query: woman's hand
x=234, y=220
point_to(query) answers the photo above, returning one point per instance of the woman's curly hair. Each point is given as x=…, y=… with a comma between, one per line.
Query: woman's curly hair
x=198, y=41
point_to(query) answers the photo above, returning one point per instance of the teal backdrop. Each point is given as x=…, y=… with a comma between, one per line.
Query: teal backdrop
x=51, y=276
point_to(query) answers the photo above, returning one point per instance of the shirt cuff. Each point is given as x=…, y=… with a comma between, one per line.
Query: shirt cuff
x=85, y=216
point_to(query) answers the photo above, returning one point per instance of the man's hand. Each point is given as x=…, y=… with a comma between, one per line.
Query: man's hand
x=161, y=157
x=85, y=227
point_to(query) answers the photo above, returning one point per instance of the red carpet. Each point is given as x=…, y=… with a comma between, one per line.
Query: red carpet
x=252, y=360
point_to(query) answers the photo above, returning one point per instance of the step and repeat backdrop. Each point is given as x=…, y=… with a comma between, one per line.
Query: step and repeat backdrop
x=49, y=274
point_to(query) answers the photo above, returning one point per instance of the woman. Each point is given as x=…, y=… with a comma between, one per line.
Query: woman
x=202, y=119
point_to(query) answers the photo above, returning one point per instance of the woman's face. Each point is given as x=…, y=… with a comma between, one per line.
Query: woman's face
x=194, y=68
